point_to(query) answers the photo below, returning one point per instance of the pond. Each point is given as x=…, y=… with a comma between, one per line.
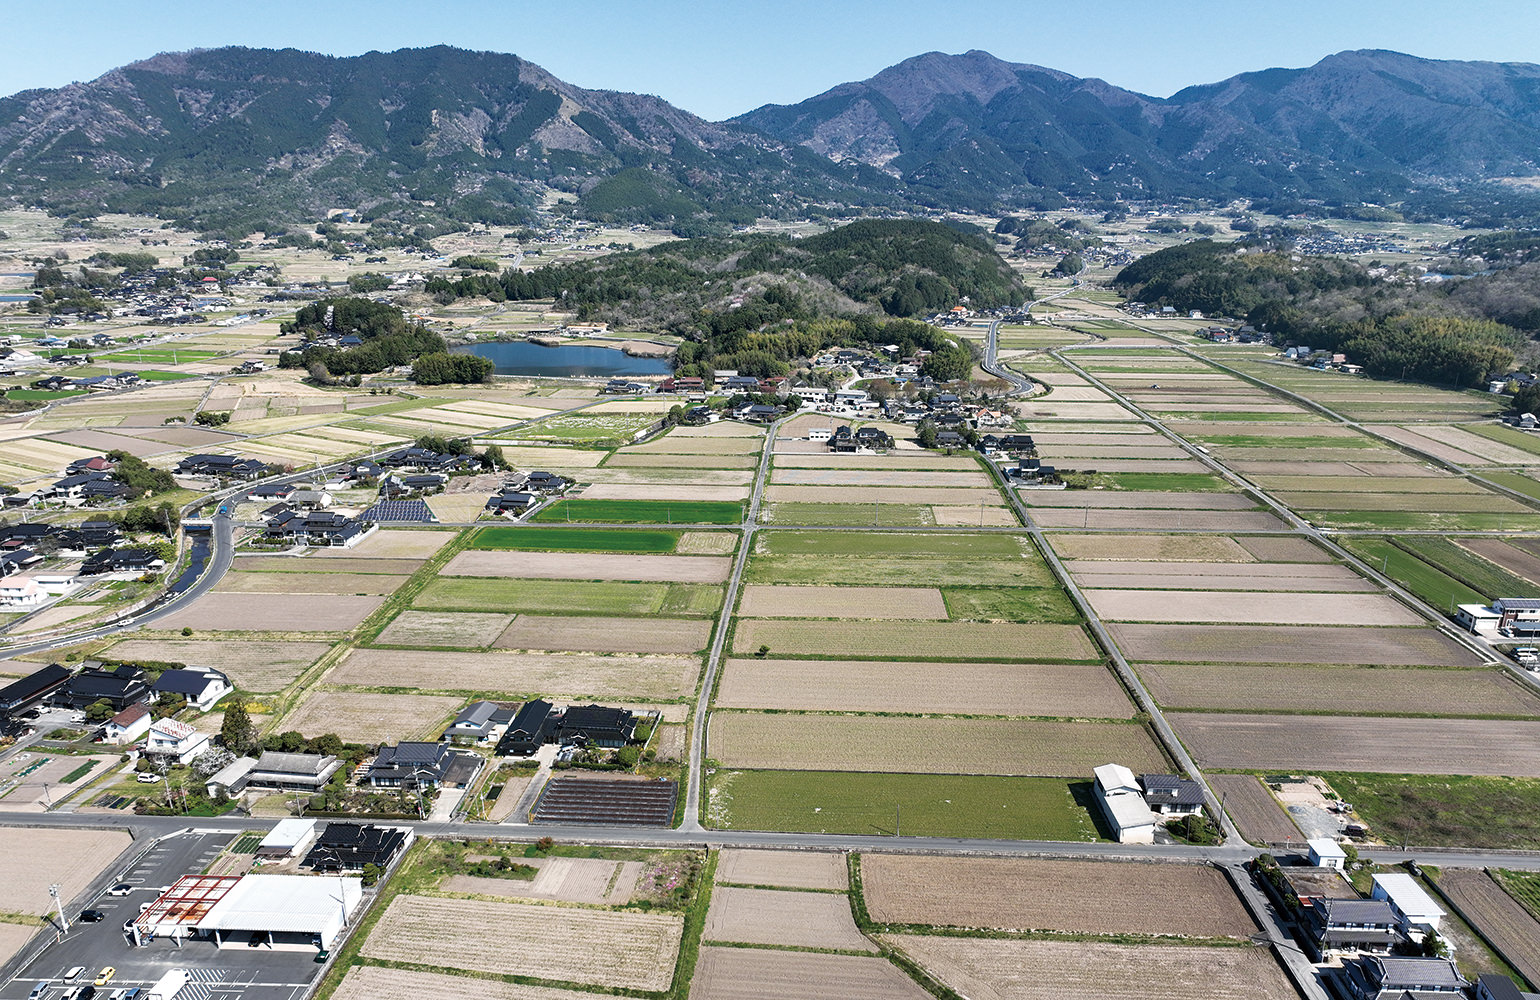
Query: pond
x=520, y=357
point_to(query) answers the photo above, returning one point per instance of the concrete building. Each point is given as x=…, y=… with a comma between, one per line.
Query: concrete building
x=1325, y=853
x=289, y=838
x=1419, y=914
x=177, y=740
x=281, y=912
x=1122, y=802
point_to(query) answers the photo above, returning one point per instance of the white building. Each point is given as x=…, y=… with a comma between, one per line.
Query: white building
x=128, y=725
x=20, y=591
x=280, y=912
x=1123, y=804
x=170, y=738
x=1419, y=914
x=288, y=838
x=819, y=434
x=1325, y=853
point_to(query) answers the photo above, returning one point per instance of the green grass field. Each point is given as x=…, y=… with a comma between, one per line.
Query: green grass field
x=1427, y=582
x=1522, y=886
x=1487, y=578
x=644, y=511
x=158, y=356
x=1516, y=482
x=1011, y=604
x=154, y=376
x=920, y=805
x=575, y=539
x=1012, y=562
x=41, y=395
x=1174, y=482
x=848, y=515
x=1402, y=520
x=459, y=593
x=1523, y=440
x=1446, y=811
x=1263, y=441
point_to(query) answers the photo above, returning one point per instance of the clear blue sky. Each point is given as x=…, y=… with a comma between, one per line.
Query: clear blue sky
x=719, y=59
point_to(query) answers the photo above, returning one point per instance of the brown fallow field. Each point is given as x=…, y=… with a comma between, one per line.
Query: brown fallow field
x=1162, y=548
x=929, y=746
x=1082, y=897
x=253, y=666
x=1509, y=557
x=610, y=948
x=1065, y=690
x=787, y=919
x=586, y=566
x=309, y=583
x=394, y=543
x=760, y=974
x=788, y=869
x=444, y=628
x=1289, y=644
x=1010, y=969
x=289, y=565
x=1217, y=520
x=374, y=982
x=34, y=859
x=1497, y=916
x=606, y=635
x=1236, y=607
x=370, y=718
x=761, y=601
x=1312, y=743
x=1258, y=815
x=882, y=494
x=1138, y=501
x=1281, y=577
x=273, y=613
x=941, y=640
x=573, y=675
x=1326, y=688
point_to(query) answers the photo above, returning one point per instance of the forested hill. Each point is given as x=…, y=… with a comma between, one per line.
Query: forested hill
x=900, y=268
x=1451, y=333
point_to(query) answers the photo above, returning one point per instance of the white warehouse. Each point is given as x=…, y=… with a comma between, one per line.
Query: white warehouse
x=1123, y=804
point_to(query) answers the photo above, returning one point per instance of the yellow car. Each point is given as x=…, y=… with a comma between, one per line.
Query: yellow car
x=105, y=976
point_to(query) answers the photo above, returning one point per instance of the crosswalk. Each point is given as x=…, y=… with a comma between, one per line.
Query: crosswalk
x=201, y=983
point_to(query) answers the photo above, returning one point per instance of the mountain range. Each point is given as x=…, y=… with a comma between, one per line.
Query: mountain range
x=236, y=137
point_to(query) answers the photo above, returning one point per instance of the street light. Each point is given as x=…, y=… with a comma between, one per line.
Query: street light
x=58, y=901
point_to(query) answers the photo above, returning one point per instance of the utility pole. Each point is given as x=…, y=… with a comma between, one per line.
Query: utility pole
x=58, y=902
x=898, y=812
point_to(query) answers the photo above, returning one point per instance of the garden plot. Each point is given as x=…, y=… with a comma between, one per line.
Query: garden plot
x=609, y=948
x=1139, y=500
x=35, y=858
x=760, y=601
x=606, y=635
x=1326, y=688
x=1079, y=897
x=787, y=869
x=1290, y=644
x=570, y=675
x=1496, y=916
x=1241, y=607
x=933, y=640
x=309, y=583
x=1178, y=520
x=761, y=974
x=928, y=746
x=589, y=566
x=1164, y=548
x=253, y=666
x=1261, y=819
x=393, y=543
x=1316, y=743
x=1015, y=969
x=1075, y=691
x=876, y=477
x=273, y=613
x=427, y=628
x=883, y=494
x=370, y=718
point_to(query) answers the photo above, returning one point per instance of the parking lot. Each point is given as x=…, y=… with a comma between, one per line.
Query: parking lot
x=217, y=974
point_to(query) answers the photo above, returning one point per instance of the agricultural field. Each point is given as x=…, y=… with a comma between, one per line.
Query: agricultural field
x=370, y=718
x=1026, y=969
x=424, y=628
x=252, y=666
x=913, y=639
x=376, y=982
x=817, y=920
x=1230, y=607
x=895, y=603
x=1445, y=810
x=36, y=858
x=643, y=512
x=920, y=805
x=761, y=974
x=1373, y=690
x=1259, y=816
x=609, y=948
x=1082, y=897
x=1029, y=747
x=532, y=538
x=605, y=635
x=1289, y=644
x=583, y=566
x=216, y=612
x=569, y=597
x=521, y=675
x=783, y=869
x=1496, y=916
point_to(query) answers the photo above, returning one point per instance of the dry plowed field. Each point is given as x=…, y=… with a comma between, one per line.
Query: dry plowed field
x=939, y=640
x=371, y=718
x=1509, y=557
x=760, y=974
x=623, y=460
x=309, y=583
x=793, y=919
x=1091, y=970
x=1137, y=501
x=444, y=628
x=1216, y=520
x=589, y=566
x=1497, y=916
x=876, y=477
x=1286, y=687
x=253, y=666
x=1345, y=743
x=272, y=613
x=1217, y=576
x=561, y=944
x=842, y=602
x=1289, y=644
x=286, y=565
x=928, y=746
x=661, y=491
x=650, y=678
x=373, y=982
x=606, y=635
x=13, y=938
x=1417, y=502
x=1283, y=548
x=892, y=460
x=33, y=859
x=1238, y=607
x=1087, y=897
x=1370, y=484
x=393, y=543
x=675, y=444
x=790, y=869
x=1071, y=691
x=1163, y=548
x=882, y=494
x=1260, y=818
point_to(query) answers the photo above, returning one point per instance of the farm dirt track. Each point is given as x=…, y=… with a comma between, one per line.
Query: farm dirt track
x=660, y=678
x=758, y=974
x=1091, y=970
x=1055, y=689
x=1313, y=743
x=1289, y=644
x=1085, y=897
x=1497, y=915
x=606, y=635
x=561, y=944
x=900, y=603
x=960, y=640
x=1284, y=687
x=589, y=566
x=1240, y=607
x=795, y=919
x=791, y=869
x=928, y=746
x=1258, y=815
x=373, y=982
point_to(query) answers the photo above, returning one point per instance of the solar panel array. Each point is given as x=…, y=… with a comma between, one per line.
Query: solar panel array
x=400, y=510
x=607, y=802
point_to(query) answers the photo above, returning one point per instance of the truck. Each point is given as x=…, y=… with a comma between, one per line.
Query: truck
x=169, y=985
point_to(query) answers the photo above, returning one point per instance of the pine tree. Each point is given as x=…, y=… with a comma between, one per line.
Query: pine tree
x=237, y=733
